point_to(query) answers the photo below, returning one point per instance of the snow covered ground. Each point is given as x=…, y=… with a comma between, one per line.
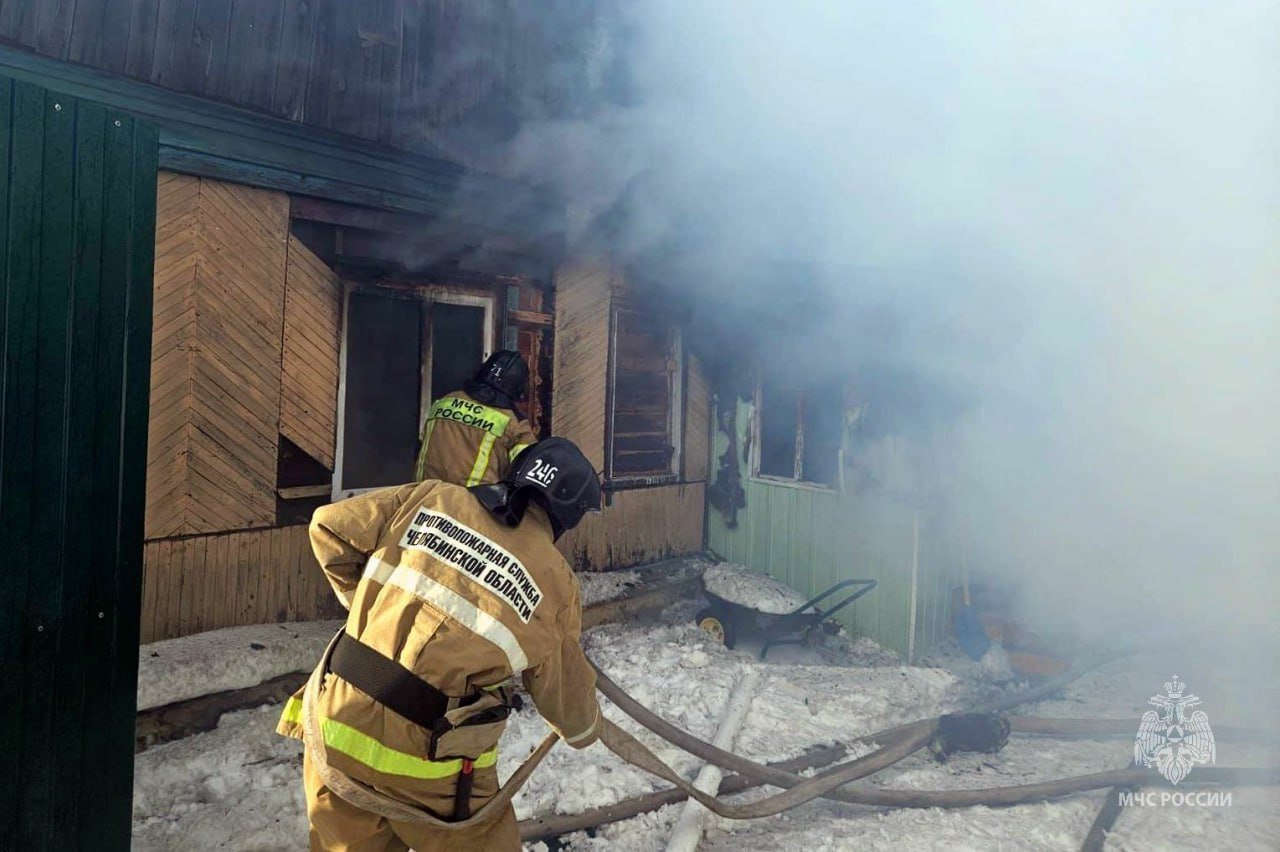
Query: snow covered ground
x=600, y=586
x=238, y=787
x=191, y=666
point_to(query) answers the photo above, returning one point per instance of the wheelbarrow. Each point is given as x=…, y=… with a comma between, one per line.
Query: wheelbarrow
x=727, y=621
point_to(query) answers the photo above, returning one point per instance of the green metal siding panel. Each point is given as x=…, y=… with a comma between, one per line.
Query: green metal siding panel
x=21, y=212
x=811, y=539
x=45, y=604
x=77, y=201
x=138, y=183
x=75, y=701
x=936, y=584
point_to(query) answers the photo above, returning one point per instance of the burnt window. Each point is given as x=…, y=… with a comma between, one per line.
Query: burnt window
x=402, y=349
x=382, y=382
x=800, y=431
x=643, y=422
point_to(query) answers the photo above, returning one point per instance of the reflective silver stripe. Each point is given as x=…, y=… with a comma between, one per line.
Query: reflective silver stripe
x=588, y=732
x=450, y=543
x=451, y=604
x=378, y=571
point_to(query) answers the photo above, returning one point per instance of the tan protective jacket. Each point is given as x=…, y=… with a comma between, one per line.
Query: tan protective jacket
x=435, y=583
x=468, y=443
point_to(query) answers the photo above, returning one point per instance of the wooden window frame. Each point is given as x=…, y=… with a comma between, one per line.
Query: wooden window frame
x=675, y=410
x=796, y=480
x=433, y=296
x=425, y=294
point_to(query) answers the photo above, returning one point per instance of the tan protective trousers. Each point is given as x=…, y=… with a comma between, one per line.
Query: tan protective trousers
x=339, y=826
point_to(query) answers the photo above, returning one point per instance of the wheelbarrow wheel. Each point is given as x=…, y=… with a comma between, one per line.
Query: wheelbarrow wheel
x=716, y=626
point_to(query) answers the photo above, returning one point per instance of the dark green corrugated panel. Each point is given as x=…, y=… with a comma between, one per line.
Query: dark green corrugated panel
x=77, y=230
x=811, y=539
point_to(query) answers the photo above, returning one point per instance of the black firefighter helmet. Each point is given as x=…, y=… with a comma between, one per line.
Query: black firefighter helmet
x=501, y=380
x=553, y=473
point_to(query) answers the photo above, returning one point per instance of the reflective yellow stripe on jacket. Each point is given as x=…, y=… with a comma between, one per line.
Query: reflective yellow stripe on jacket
x=482, y=460
x=375, y=755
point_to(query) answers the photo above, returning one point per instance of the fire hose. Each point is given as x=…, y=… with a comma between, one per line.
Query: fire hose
x=897, y=744
x=904, y=741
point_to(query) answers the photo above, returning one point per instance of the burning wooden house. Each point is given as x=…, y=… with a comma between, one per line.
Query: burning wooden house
x=235, y=229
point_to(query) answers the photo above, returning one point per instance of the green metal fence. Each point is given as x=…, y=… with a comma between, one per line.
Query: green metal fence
x=77, y=232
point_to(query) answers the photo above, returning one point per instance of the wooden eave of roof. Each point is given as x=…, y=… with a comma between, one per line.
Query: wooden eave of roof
x=212, y=139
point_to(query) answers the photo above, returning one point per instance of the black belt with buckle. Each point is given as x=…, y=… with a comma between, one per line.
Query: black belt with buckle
x=389, y=683
x=400, y=690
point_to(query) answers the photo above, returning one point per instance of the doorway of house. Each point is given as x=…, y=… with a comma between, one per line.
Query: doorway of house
x=400, y=350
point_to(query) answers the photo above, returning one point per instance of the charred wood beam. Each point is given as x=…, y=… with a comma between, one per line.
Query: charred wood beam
x=530, y=318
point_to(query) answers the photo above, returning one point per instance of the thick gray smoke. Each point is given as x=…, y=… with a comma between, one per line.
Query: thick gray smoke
x=1064, y=217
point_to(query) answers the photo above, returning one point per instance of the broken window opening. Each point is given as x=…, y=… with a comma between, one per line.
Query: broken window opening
x=644, y=421
x=800, y=432
x=303, y=484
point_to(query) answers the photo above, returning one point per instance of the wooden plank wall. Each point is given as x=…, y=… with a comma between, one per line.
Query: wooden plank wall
x=812, y=538
x=642, y=525
x=581, y=359
x=173, y=348
x=579, y=373
x=312, y=337
x=251, y=577
x=406, y=73
x=216, y=354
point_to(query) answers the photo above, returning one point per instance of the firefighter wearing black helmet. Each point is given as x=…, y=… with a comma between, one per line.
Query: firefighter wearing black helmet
x=472, y=436
x=451, y=592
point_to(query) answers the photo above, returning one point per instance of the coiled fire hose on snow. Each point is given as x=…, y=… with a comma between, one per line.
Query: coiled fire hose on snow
x=905, y=740
x=898, y=743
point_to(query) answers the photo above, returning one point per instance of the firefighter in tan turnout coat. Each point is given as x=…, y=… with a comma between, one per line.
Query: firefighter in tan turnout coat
x=451, y=591
x=472, y=436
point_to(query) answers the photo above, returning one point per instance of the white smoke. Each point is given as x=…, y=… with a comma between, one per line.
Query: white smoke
x=1065, y=216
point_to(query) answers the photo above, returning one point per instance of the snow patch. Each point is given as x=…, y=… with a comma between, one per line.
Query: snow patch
x=236, y=787
x=600, y=586
x=239, y=787
x=232, y=658
x=739, y=585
